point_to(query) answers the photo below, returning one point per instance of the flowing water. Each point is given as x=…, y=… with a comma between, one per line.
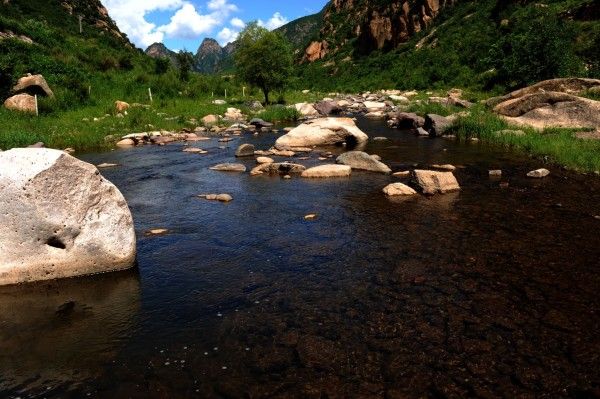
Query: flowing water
x=489, y=292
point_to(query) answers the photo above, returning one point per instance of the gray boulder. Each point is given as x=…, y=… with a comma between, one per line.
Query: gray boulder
x=59, y=218
x=362, y=161
x=245, y=150
x=436, y=125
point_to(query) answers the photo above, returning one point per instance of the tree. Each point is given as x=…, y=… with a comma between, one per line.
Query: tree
x=263, y=59
x=185, y=60
x=537, y=46
x=161, y=65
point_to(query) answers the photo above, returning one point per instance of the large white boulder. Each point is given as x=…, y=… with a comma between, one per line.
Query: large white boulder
x=321, y=132
x=59, y=218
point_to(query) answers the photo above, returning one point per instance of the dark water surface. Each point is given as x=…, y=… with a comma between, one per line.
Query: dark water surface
x=490, y=292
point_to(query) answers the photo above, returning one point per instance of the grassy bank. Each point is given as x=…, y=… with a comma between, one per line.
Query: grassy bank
x=85, y=128
x=558, y=146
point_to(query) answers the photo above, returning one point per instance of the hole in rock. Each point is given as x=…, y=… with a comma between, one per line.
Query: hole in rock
x=56, y=243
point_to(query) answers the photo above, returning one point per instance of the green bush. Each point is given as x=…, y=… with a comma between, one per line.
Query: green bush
x=537, y=46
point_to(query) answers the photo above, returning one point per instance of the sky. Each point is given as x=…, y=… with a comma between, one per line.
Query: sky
x=183, y=24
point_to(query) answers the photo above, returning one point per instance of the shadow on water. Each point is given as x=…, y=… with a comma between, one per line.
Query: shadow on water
x=61, y=333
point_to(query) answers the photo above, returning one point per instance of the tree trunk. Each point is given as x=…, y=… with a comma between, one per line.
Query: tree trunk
x=266, y=93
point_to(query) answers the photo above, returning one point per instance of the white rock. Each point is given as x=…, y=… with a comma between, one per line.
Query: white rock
x=374, y=106
x=396, y=189
x=329, y=170
x=321, y=132
x=306, y=109
x=538, y=173
x=400, y=99
x=59, y=218
x=433, y=182
x=262, y=160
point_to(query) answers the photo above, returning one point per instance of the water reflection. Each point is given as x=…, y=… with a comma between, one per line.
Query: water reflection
x=64, y=331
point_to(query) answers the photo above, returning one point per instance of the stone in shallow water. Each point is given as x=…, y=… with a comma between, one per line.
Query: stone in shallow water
x=59, y=218
x=432, y=182
x=245, y=150
x=157, y=232
x=363, y=161
x=217, y=197
x=331, y=170
x=495, y=173
x=229, y=167
x=398, y=189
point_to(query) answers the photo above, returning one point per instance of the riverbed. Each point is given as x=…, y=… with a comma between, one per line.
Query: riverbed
x=491, y=291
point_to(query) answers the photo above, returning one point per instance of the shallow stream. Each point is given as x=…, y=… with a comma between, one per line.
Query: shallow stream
x=490, y=292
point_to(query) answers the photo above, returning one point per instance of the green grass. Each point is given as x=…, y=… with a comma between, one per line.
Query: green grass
x=556, y=145
x=77, y=128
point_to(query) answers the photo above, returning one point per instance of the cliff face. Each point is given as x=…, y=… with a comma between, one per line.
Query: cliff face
x=375, y=24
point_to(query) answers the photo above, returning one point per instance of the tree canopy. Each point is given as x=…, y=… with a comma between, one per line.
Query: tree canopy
x=263, y=59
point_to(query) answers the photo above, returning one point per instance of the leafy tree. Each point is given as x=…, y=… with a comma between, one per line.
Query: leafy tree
x=161, y=65
x=185, y=60
x=263, y=59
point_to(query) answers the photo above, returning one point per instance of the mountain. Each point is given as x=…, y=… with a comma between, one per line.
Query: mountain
x=487, y=44
x=372, y=25
x=159, y=50
x=209, y=56
x=212, y=58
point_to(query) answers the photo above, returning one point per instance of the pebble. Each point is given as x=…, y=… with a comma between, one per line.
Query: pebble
x=538, y=173
x=495, y=173
x=287, y=177
x=156, y=232
x=106, y=165
x=404, y=173
x=310, y=216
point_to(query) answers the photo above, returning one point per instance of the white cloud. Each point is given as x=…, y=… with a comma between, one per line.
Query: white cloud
x=185, y=23
x=238, y=23
x=227, y=35
x=274, y=22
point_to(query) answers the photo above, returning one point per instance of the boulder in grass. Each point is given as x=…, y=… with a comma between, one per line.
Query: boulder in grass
x=21, y=102
x=121, y=106
x=33, y=84
x=59, y=218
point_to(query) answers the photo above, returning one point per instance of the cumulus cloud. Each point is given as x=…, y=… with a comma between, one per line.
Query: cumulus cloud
x=276, y=21
x=227, y=35
x=185, y=23
x=238, y=23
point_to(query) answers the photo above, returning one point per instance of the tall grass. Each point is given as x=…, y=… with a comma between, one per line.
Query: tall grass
x=556, y=145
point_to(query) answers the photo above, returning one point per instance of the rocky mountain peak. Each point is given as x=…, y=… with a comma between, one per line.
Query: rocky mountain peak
x=376, y=25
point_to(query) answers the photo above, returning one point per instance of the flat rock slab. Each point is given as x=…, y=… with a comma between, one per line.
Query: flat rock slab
x=229, y=167
x=59, y=218
x=324, y=171
x=363, y=161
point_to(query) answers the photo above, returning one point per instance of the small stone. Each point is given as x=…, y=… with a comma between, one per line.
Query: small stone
x=495, y=173
x=106, y=165
x=224, y=198
x=225, y=140
x=538, y=173
x=404, y=173
x=287, y=177
x=157, y=232
x=447, y=167
x=245, y=150
x=229, y=167
x=263, y=160
x=380, y=138
x=195, y=150
x=126, y=143
x=398, y=189
x=310, y=216
x=69, y=150
x=504, y=184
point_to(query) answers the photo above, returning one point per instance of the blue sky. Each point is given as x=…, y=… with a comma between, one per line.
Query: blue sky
x=185, y=23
